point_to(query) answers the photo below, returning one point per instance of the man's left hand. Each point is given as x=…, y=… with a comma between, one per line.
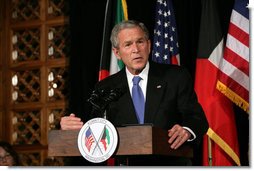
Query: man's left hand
x=177, y=136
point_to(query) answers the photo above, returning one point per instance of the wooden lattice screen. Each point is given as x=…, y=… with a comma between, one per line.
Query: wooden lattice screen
x=35, y=69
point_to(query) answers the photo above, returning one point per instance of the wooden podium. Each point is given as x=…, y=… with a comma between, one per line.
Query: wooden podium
x=133, y=140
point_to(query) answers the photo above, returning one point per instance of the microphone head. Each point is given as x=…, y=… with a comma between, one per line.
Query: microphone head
x=95, y=99
x=113, y=95
x=101, y=98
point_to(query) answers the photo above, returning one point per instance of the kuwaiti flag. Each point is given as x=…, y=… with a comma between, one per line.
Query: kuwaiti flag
x=220, y=144
x=105, y=139
x=234, y=66
x=109, y=64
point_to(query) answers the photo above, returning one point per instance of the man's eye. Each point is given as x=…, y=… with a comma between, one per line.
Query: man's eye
x=141, y=41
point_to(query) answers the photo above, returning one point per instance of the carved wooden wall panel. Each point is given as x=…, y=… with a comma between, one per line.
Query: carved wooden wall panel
x=35, y=65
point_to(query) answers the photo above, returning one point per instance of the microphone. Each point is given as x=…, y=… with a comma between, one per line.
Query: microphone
x=95, y=98
x=113, y=95
x=101, y=98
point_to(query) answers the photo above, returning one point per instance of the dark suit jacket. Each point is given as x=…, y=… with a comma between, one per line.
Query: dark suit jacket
x=170, y=100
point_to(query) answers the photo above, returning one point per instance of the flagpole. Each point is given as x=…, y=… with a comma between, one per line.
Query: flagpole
x=210, y=157
x=105, y=49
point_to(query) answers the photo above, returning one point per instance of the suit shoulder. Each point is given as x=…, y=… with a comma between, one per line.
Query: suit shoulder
x=109, y=78
x=112, y=80
x=170, y=72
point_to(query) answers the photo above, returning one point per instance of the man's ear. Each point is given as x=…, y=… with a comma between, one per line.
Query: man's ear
x=116, y=53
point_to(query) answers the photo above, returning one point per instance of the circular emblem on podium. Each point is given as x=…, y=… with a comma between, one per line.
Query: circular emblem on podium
x=97, y=140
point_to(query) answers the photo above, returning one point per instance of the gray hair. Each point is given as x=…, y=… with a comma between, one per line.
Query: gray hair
x=123, y=25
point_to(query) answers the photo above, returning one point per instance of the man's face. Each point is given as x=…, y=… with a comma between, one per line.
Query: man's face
x=5, y=158
x=133, y=49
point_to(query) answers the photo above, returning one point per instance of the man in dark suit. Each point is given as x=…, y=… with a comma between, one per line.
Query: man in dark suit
x=170, y=101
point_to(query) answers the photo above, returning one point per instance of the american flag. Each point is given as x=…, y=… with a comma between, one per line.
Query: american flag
x=89, y=139
x=233, y=80
x=165, y=41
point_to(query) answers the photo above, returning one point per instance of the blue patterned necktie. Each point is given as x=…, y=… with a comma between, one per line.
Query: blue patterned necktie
x=138, y=99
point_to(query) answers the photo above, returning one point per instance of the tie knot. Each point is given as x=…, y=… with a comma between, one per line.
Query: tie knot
x=136, y=80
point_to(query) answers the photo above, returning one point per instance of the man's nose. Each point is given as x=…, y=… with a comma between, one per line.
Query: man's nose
x=135, y=48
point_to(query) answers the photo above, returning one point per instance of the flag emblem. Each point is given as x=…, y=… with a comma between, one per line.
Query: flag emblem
x=97, y=140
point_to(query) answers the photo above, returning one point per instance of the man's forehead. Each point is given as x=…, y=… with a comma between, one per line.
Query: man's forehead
x=130, y=34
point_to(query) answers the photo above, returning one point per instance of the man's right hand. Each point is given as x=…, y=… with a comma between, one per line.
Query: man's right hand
x=71, y=122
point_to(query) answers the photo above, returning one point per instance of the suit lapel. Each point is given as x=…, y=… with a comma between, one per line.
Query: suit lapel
x=155, y=90
x=127, y=107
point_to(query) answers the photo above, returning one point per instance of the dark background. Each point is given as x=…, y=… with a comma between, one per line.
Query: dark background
x=86, y=24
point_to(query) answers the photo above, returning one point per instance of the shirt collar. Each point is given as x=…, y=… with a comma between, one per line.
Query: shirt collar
x=143, y=74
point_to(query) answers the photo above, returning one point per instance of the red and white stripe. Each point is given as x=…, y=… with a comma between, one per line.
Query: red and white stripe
x=234, y=65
